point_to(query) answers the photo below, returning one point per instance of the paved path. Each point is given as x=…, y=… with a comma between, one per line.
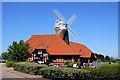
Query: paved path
x=10, y=74
x=6, y=74
x=0, y=70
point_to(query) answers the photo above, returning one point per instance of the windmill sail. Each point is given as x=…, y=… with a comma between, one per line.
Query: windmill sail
x=61, y=26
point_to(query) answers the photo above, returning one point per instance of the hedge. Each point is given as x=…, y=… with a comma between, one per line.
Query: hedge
x=28, y=67
x=10, y=63
x=58, y=73
x=105, y=74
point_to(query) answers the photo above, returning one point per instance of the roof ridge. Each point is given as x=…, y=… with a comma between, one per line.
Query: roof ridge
x=45, y=35
x=77, y=43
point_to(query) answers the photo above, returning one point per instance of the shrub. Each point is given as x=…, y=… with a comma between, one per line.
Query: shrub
x=78, y=63
x=70, y=64
x=104, y=74
x=66, y=63
x=59, y=73
x=28, y=67
x=10, y=63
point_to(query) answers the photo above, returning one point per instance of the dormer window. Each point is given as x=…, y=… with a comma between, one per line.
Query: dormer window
x=47, y=46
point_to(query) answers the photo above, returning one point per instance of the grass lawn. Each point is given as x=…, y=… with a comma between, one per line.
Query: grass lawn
x=109, y=66
x=105, y=65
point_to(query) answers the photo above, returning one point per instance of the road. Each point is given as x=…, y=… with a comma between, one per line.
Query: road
x=6, y=74
x=10, y=74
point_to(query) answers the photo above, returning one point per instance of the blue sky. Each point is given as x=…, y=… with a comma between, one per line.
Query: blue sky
x=96, y=25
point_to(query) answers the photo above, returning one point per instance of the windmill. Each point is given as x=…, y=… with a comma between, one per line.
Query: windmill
x=62, y=27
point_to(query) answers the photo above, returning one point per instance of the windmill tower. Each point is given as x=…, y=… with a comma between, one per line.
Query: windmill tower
x=62, y=27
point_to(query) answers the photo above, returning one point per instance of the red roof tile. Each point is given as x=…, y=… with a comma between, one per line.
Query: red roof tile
x=54, y=45
x=82, y=49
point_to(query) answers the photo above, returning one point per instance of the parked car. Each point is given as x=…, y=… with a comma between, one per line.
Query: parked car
x=3, y=60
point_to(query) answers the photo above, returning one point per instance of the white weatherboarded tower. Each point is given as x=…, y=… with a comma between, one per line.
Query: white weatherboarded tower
x=62, y=27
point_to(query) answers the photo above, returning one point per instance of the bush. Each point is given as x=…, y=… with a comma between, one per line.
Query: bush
x=78, y=63
x=66, y=63
x=70, y=64
x=59, y=73
x=28, y=67
x=102, y=73
x=106, y=72
x=10, y=63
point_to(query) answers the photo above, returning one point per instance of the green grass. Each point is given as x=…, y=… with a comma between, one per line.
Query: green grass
x=109, y=66
x=104, y=66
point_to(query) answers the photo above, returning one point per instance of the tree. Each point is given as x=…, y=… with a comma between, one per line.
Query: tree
x=5, y=55
x=100, y=56
x=107, y=57
x=0, y=56
x=19, y=51
x=112, y=59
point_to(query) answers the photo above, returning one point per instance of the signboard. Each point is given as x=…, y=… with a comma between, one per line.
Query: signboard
x=75, y=65
x=39, y=52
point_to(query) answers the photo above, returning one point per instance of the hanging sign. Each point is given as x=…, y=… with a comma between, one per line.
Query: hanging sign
x=40, y=52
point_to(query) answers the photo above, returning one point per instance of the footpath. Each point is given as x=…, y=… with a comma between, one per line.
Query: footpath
x=23, y=75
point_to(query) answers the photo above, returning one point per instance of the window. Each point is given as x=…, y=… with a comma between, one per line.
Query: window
x=47, y=46
x=54, y=57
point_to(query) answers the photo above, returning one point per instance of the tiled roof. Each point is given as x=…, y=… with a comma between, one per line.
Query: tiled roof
x=82, y=49
x=54, y=45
